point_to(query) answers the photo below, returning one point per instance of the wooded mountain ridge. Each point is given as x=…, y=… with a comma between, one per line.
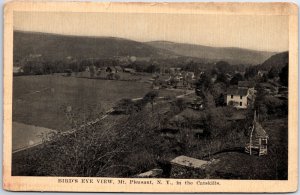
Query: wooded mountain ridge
x=59, y=47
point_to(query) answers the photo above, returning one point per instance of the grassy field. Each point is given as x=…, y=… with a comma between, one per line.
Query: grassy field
x=42, y=100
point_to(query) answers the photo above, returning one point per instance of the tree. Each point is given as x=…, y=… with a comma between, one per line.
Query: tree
x=250, y=72
x=209, y=101
x=191, y=66
x=262, y=79
x=217, y=128
x=98, y=73
x=284, y=75
x=152, y=68
x=220, y=101
x=223, y=66
x=203, y=84
x=126, y=106
x=236, y=78
x=214, y=71
x=222, y=78
x=117, y=76
x=92, y=71
x=150, y=97
x=110, y=76
x=174, y=81
x=218, y=91
x=273, y=73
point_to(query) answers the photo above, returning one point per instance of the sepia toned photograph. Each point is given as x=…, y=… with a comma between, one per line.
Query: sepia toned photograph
x=150, y=95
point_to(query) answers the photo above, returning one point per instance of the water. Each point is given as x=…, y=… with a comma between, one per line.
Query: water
x=26, y=136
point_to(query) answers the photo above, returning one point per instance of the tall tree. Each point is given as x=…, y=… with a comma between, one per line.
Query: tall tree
x=203, y=84
x=236, y=78
x=221, y=78
x=250, y=72
x=284, y=75
x=150, y=97
x=223, y=66
x=273, y=73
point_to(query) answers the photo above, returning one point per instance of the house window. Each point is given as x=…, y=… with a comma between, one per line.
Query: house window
x=241, y=97
x=231, y=96
x=240, y=103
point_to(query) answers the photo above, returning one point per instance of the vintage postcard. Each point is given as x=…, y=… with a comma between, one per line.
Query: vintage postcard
x=150, y=97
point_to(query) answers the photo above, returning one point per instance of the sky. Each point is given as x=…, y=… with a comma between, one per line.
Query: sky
x=259, y=32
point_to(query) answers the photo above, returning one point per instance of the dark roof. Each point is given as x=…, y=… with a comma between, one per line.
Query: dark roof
x=237, y=91
x=246, y=84
x=251, y=97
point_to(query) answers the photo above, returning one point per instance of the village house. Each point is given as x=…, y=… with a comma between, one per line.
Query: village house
x=237, y=97
x=241, y=96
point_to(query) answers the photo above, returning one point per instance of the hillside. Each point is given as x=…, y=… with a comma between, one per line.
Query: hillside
x=278, y=60
x=58, y=47
x=229, y=54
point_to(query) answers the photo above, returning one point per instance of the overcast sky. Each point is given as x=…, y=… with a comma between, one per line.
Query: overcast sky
x=269, y=33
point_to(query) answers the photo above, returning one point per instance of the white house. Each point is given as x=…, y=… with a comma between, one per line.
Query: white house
x=238, y=97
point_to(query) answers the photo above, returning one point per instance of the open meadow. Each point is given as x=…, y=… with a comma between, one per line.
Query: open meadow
x=43, y=100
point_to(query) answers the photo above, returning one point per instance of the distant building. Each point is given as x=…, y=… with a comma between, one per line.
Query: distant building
x=118, y=68
x=129, y=70
x=143, y=59
x=262, y=73
x=190, y=75
x=17, y=69
x=174, y=70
